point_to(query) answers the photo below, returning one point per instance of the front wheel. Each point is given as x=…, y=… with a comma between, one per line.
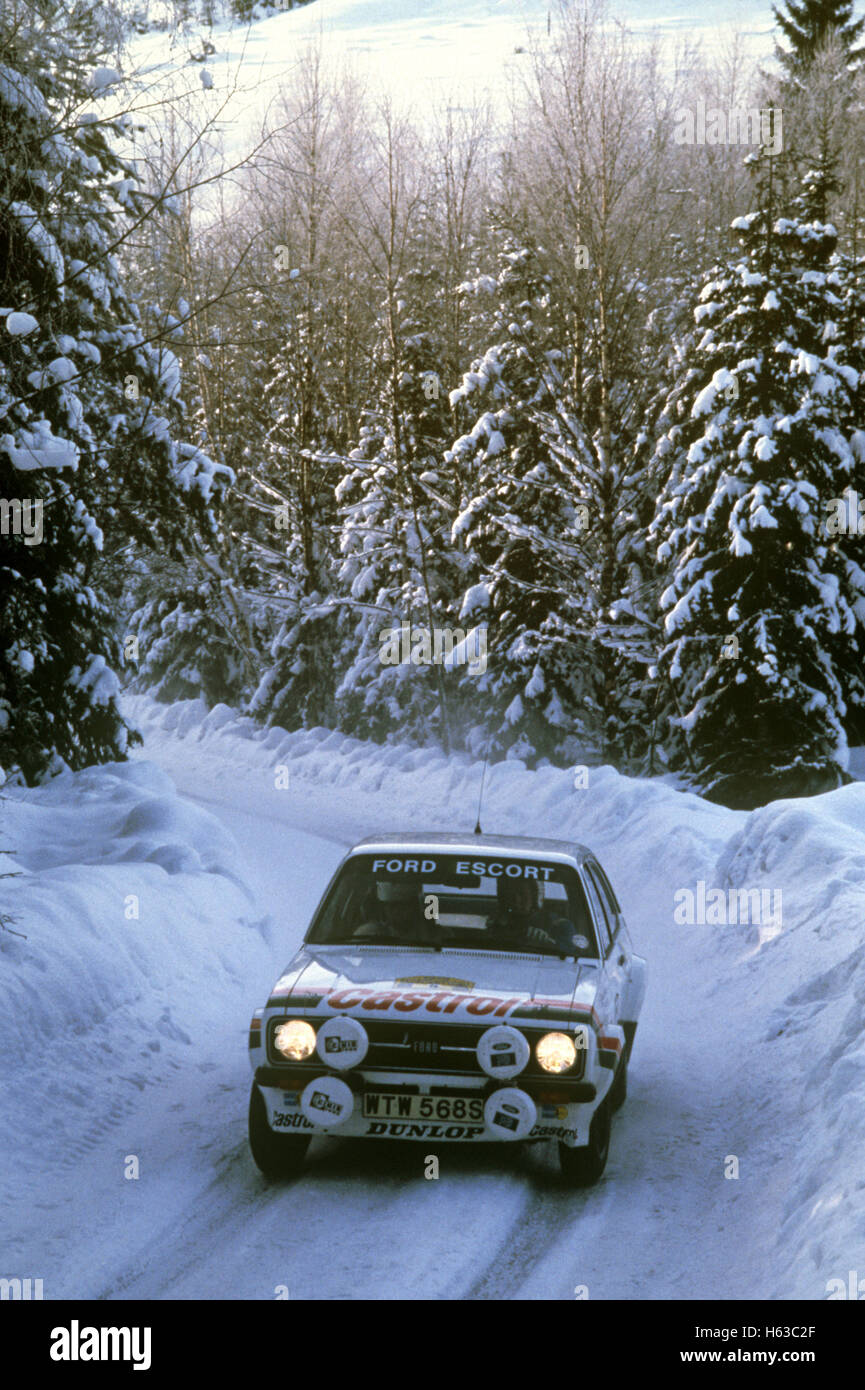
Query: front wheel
x=277, y=1155
x=582, y=1167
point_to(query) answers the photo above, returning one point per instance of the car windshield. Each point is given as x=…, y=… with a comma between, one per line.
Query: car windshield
x=484, y=901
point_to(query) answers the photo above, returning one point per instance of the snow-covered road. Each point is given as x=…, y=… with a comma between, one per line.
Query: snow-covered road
x=721, y=1056
x=366, y=1223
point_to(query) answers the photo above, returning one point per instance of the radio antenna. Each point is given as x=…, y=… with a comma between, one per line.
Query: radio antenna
x=478, y=830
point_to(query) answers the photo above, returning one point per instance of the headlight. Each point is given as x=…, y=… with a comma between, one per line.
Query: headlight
x=295, y=1039
x=556, y=1052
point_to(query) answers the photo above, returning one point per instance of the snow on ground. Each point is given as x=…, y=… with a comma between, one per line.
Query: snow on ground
x=750, y=1044
x=129, y=926
x=424, y=52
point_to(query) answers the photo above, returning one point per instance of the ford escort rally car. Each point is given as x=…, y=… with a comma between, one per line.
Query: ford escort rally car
x=472, y=989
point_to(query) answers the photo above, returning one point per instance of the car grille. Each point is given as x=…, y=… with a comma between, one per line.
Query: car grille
x=410, y=1047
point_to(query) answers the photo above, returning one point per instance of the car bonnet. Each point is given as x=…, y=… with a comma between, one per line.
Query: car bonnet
x=460, y=986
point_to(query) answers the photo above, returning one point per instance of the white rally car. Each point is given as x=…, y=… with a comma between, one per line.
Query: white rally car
x=477, y=989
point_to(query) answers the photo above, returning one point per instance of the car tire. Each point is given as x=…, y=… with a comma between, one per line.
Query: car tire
x=582, y=1167
x=277, y=1155
x=619, y=1088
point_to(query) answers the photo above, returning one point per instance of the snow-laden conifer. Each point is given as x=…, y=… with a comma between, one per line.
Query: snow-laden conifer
x=760, y=600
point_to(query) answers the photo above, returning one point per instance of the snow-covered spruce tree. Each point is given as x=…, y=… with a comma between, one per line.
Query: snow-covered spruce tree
x=843, y=337
x=808, y=26
x=520, y=527
x=761, y=604
x=634, y=622
x=822, y=118
x=610, y=587
x=184, y=642
x=87, y=408
x=398, y=566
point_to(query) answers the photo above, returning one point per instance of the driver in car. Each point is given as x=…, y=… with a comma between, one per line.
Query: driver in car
x=399, y=917
x=521, y=919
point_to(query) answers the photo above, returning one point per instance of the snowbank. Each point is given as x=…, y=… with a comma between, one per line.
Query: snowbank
x=805, y=990
x=129, y=927
x=441, y=792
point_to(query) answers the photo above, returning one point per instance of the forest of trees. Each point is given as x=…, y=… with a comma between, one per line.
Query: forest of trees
x=577, y=373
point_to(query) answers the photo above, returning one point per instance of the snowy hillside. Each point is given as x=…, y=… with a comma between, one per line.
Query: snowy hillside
x=425, y=52
x=747, y=1048
x=422, y=47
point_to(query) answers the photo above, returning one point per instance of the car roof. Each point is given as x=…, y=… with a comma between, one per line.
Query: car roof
x=470, y=844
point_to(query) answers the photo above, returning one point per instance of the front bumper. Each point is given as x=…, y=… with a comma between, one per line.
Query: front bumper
x=564, y=1112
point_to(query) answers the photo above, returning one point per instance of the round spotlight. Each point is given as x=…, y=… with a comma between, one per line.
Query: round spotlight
x=556, y=1052
x=294, y=1039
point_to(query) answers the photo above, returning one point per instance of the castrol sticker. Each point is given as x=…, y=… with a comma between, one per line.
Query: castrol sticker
x=422, y=1001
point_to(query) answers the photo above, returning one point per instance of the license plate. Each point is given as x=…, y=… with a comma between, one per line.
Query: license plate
x=386, y=1105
